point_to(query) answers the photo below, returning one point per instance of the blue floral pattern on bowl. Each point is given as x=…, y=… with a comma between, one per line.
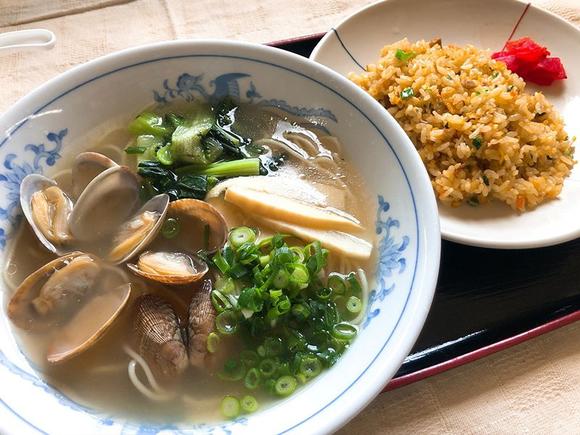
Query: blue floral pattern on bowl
x=16, y=168
x=190, y=87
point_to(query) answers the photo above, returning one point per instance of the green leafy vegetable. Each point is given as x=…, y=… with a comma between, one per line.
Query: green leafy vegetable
x=183, y=155
x=149, y=123
x=158, y=179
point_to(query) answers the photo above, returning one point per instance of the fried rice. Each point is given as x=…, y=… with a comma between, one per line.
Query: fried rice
x=480, y=135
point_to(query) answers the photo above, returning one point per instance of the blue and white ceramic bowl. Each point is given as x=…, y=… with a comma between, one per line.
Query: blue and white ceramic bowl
x=62, y=116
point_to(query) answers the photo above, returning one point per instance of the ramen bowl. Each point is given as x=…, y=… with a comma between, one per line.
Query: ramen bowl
x=62, y=118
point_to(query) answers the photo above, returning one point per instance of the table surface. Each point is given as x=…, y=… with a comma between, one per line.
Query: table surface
x=533, y=387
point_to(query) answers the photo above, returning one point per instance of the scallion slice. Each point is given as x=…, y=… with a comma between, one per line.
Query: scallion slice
x=336, y=283
x=268, y=367
x=213, y=341
x=230, y=407
x=241, y=235
x=220, y=302
x=344, y=331
x=170, y=228
x=249, y=404
x=226, y=322
x=285, y=385
x=252, y=379
x=353, y=305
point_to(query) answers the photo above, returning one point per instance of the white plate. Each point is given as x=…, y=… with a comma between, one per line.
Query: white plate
x=486, y=24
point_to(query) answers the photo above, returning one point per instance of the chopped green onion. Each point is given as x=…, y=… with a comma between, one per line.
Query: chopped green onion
x=220, y=302
x=281, y=279
x=477, y=141
x=249, y=358
x=336, y=283
x=252, y=379
x=213, y=341
x=324, y=293
x=407, y=93
x=285, y=385
x=226, y=322
x=353, y=284
x=264, y=260
x=353, y=305
x=344, y=331
x=300, y=276
x=135, y=150
x=170, y=228
x=310, y=366
x=249, y=404
x=268, y=367
x=273, y=346
x=230, y=407
x=225, y=285
x=251, y=299
x=233, y=371
x=485, y=179
x=284, y=305
x=300, y=311
x=221, y=262
x=241, y=235
x=403, y=55
x=298, y=252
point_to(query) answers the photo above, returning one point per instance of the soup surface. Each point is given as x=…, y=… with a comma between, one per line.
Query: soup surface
x=305, y=189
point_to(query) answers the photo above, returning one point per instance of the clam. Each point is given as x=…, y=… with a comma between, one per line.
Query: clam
x=73, y=299
x=206, y=227
x=89, y=324
x=47, y=208
x=169, y=267
x=158, y=336
x=139, y=230
x=86, y=167
x=201, y=321
x=107, y=202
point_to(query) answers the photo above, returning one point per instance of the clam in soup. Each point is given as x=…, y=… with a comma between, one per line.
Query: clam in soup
x=211, y=260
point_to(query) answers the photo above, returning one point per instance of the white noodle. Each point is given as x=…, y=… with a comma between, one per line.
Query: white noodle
x=157, y=394
x=364, y=284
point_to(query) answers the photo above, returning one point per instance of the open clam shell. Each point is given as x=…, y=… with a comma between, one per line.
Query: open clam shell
x=107, y=202
x=51, y=295
x=138, y=231
x=47, y=209
x=86, y=167
x=173, y=268
x=89, y=324
x=73, y=300
x=202, y=226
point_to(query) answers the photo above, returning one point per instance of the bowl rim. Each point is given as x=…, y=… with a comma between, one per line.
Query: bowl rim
x=415, y=310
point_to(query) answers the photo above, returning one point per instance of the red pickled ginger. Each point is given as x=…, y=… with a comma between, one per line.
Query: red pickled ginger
x=530, y=61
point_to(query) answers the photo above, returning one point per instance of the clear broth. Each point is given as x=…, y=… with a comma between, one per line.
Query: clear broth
x=98, y=378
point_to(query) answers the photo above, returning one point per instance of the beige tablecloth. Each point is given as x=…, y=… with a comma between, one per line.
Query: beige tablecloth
x=533, y=387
